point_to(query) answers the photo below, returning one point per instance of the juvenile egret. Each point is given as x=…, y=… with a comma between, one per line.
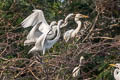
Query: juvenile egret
x=76, y=70
x=72, y=33
x=116, y=71
x=43, y=43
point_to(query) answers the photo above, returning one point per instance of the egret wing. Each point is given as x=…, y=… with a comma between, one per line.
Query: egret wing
x=40, y=41
x=36, y=17
x=44, y=27
x=34, y=33
x=67, y=35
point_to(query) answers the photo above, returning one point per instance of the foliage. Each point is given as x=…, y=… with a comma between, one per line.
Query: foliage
x=99, y=43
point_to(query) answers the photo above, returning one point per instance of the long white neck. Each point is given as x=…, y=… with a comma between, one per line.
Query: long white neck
x=80, y=62
x=58, y=34
x=78, y=27
x=58, y=31
x=66, y=20
x=116, y=72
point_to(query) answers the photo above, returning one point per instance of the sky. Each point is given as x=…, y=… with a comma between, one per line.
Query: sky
x=62, y=0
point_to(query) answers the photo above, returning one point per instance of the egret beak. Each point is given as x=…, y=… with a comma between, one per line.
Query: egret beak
x=56, y=23
x=84, y=16
x=112, y=65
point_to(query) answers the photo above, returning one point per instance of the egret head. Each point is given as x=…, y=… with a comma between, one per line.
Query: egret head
x=117, y=65
x=81, y=59
x=81, y=16
x=60, y=22
x=53, y=23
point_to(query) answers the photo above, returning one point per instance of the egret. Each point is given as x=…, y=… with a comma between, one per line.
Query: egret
x=54, y=27
x=116, y=71
x=34, y=34
x=43, y=43
x=72, y=33
x=76, y=70
x=40, y=26
x=38, y=21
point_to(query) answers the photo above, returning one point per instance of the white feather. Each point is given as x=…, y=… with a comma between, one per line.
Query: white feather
x=36, y=17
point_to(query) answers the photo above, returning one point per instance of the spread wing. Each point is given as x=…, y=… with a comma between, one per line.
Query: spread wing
x=34, y=33
x=39, y=42
x=44, y=27
x=36, y=17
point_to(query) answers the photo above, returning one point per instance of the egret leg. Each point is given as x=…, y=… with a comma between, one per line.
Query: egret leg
x=43, y=51
x=37, y=57
x=49, y=53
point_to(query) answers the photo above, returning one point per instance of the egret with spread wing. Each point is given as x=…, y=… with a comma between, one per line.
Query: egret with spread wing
x=38, y=21
x=40, y=26
x=34, y=34
x=72, y=33
x=43, y=43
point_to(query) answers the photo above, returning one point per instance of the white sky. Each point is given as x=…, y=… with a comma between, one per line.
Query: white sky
x=61, y=0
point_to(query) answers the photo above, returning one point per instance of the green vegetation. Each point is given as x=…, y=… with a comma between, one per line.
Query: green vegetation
x=100, y=43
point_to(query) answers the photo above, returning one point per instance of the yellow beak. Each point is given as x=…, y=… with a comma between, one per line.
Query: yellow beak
x=84, y=16
x=112, y=65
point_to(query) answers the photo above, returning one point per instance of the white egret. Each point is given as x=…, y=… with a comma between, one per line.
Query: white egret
x=38, y=21
x=54, y=27
x=72, y=33
x=116, y=71
x=76, y=70
x=43, y=43
x=34, y=34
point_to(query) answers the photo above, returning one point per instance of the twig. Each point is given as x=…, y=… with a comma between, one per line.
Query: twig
x=3, y=58
x=21, y=72
x=103, y=37
x=1, y=73
x=33, y=74
x=3, y=51
x=91, y=28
